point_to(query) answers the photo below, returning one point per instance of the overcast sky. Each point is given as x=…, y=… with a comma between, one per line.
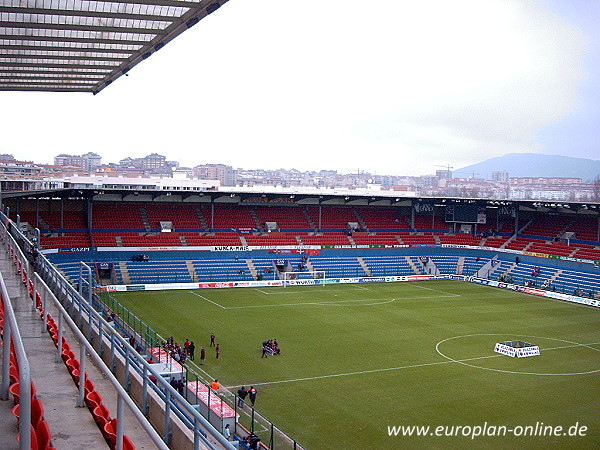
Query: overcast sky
x=385, y=86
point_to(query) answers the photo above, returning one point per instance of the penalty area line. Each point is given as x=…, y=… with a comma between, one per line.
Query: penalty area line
x=209, y=301
x=331, y=303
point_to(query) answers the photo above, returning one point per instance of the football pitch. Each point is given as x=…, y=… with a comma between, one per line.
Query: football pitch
x=364, y=365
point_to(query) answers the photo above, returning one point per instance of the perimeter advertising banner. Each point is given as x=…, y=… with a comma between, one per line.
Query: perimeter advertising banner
x=505, y=350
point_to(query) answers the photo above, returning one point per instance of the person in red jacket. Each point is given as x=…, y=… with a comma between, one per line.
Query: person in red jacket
x=252, y=395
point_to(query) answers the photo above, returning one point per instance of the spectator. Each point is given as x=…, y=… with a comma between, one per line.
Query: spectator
x=227, y=432
x=253, y=441
x=242, y=393
x=252, y=394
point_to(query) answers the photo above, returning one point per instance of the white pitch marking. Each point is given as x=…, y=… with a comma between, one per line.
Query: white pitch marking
x=369, y=304
x=436, y=290
x=361, y=288
x=448, y=361
x=335, y=303
x=285, y=292
x=311, y=303
x=574, y=344
x=209, y=301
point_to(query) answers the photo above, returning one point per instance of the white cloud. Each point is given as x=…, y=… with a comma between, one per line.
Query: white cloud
x=387, y=85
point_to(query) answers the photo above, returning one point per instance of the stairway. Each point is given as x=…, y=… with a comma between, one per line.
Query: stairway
x=202, y=218
x=145, y=219
x=557, y=274
x=309, y=219
x=259, y=226
x=192, y=270
x=361, y=222
x=509, y=270
x=365, y=267
x=124, y=272
x=460, y=266
x=252, y=268
x=414, y=267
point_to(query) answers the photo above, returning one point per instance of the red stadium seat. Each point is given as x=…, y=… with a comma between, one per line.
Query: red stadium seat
x=14, y=375
x=44, y=437
x=110, y=433
x=15, y=390
x=89, y=386
x=127, y=444
x=34, y=442
x=37, y=411
x=93, y=400
x=101, y=415
x=67, y=354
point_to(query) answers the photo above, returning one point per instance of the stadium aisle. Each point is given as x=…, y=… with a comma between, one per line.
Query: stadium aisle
x=71, y=427
x=8, y=424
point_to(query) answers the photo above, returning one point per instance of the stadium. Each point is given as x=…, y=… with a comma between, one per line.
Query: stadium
x=382, y=304
x=148, y=313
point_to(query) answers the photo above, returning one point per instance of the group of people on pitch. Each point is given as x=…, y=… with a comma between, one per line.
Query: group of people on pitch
x=270, y=347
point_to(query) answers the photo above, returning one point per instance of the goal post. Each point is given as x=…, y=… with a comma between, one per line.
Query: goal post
x=303, y=278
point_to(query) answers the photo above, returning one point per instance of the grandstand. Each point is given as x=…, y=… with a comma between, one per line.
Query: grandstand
x=80, y=370
x=219, y=242
x=565, y=237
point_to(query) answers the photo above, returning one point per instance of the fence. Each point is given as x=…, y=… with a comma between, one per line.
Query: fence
x=111, y=349
x=249, y=419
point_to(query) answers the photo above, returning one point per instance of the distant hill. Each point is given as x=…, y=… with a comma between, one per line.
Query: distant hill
x=534, y=165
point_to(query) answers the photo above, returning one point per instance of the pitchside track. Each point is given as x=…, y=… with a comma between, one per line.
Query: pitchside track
x=359, y=359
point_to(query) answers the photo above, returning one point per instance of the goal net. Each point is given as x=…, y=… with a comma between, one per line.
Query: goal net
x=303, y=278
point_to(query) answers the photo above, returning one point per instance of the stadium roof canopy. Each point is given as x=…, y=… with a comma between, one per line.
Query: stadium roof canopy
x=82, y=45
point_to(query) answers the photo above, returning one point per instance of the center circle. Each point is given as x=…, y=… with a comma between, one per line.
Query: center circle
x=465, y=363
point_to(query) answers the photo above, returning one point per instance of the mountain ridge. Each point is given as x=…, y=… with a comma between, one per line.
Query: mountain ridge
x=535, y=165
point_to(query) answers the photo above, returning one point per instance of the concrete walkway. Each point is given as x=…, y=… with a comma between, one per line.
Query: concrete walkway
x=72, y=427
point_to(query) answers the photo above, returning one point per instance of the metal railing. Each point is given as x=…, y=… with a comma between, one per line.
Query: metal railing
x=74, y=307
x=249, y=418
x=12, y=338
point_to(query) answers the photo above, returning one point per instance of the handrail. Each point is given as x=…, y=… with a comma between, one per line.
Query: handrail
x=123, y=396
x=13, y=335
x=61, y=285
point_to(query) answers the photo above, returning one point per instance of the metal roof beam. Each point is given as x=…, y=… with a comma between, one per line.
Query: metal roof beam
x=108, y=67
x=46, y=81
x=96, y=14
x=56, y=48
x=25, y=88
x=72, y=27
x=75, y=39
x=65, y=71
x=183, y=4
x=66, y=57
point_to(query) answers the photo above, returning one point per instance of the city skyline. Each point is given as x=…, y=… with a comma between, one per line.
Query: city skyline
x=517, y=165
x=393, y=89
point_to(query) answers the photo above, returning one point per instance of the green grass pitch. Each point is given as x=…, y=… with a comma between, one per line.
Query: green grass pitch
x=359, y=359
